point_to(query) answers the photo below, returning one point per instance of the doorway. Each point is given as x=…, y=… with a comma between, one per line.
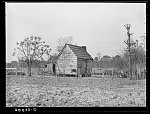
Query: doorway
x=54, y=70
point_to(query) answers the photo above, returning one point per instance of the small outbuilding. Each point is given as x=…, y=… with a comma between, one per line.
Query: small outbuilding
x=51, y=65
x=74, y=61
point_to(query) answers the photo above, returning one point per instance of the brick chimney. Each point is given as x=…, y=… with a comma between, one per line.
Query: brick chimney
x=84, y=47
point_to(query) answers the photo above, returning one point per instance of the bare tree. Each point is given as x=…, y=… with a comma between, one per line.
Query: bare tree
x=99, y=56
x=129, y=44
x=62, y=41
x=31, y=49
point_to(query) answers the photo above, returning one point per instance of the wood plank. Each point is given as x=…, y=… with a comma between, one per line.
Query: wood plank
x=66, y=62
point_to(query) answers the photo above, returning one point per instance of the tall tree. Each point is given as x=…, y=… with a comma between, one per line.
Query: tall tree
x=31, y=49
x=129, y=46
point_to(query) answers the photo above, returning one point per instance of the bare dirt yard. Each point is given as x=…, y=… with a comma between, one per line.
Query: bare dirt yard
x=74, y=92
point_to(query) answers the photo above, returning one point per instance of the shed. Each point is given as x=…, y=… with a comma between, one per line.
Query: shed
x=74, y=61
x=50, y=65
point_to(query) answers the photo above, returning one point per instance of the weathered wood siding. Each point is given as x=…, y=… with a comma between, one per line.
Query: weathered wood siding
x=66, y=62
x=49, y=68
x=82, y=66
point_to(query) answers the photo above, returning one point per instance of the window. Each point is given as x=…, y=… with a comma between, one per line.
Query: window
x=73, y=70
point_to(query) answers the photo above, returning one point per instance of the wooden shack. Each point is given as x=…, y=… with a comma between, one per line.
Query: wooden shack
x=74, y=61
x=51, y=65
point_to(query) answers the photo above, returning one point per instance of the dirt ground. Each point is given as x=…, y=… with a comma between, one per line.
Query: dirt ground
x=74, y=92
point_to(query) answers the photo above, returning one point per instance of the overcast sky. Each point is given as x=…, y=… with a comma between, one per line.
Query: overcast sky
x=98, y=26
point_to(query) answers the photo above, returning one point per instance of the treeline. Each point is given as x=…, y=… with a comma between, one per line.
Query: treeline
x=110, y=62
x=121, y=62
x=22, y=64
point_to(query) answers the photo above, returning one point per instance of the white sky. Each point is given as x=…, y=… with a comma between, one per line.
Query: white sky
x=99, y=26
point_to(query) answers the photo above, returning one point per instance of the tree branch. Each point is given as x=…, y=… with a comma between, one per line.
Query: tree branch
x=24, y=51
x=42, y=54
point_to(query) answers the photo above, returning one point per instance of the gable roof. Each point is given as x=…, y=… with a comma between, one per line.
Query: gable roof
x=80, y=52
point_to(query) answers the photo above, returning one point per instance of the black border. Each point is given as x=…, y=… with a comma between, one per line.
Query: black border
x=64, y=109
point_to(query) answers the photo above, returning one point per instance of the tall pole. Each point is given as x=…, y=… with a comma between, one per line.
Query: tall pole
x=127, y=26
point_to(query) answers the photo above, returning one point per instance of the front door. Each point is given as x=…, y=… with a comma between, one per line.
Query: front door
x=54, y=70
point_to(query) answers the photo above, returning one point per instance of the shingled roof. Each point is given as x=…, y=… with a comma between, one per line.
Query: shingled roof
x=79, y=51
